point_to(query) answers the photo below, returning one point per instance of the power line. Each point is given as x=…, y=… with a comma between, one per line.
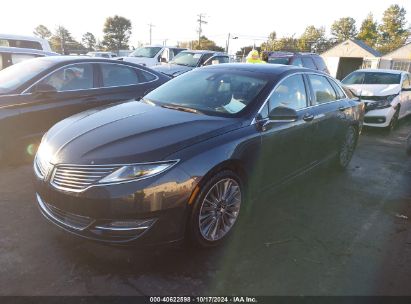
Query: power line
x=200, y=21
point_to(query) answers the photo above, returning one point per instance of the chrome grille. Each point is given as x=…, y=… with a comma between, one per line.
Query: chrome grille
x=77, y=178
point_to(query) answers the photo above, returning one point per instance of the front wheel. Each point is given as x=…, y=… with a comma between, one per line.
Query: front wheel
x=216, y=209
x=394, y=121
x=347, y=148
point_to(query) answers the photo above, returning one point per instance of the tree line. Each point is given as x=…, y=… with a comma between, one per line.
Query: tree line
x=385, y=36
x=117, y=31
x=388, y=34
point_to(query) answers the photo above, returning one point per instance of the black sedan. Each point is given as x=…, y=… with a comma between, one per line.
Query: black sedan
x=37, y=93
x=185, y=159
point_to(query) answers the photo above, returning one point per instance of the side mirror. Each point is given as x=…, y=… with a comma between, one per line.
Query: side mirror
x=44, y=89
x=283, y=114
x=163, y=60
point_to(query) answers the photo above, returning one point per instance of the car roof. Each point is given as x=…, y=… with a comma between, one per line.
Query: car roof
x=381, y=71
x=65, y=58
x=290, y=54
x=271, y=69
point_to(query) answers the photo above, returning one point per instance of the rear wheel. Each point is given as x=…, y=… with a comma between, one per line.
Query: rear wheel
x=347, y=148
x=216, y=209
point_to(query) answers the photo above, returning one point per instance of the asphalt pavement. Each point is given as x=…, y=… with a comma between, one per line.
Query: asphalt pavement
x=327, y=233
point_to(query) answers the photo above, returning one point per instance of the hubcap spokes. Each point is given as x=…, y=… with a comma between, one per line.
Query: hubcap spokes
x=220, y=209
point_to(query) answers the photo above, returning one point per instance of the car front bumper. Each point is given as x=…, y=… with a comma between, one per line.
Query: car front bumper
x=151, y=211
x=379, y=117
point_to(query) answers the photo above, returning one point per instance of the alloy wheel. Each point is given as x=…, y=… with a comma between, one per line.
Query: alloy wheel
x=220, y=209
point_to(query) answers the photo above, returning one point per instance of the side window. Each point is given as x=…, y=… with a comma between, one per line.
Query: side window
x=308, y=63
x=71, y=78
x=1, y=61
x=114, y=75
x=145, y=76
x=205, y=58
x=320, y=63
x=337, y=89
x=322, y=89
x=297, y=62
x=218, y=60
x=289, y=93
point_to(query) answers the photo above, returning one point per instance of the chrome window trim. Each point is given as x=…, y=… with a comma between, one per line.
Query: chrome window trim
x=50, y=179
x=254, y=121
x=25, y=92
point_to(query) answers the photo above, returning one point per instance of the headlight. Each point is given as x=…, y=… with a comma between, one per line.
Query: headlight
x=43, y=159
x=138, y=171
x=384, y=103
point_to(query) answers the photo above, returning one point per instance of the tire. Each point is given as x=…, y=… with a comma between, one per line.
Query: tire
x=347, y=148
x=394, y=121
x=215, y=210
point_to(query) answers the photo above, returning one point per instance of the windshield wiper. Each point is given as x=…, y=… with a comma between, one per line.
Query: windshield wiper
x=180, y=108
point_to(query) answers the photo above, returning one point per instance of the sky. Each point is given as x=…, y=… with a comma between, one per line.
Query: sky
x=250, y=21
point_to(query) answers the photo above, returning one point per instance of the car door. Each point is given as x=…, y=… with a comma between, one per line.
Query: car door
x=329, y=110
x=71, y=90
x=119, y=82
x=286, y=145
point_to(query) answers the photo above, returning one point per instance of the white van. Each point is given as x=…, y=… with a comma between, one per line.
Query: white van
x=152, y=55
x=24, y=42
x=13, y=55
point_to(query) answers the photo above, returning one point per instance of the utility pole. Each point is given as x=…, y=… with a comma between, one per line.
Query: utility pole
x=200, y=21
x=151, y=26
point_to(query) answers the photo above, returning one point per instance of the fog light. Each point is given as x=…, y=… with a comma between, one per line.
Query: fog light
x=127, y=225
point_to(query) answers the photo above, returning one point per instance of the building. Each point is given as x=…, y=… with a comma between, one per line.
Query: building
x=399, y=59
x=350, y=55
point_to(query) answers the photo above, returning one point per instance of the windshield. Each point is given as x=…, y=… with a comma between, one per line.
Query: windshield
x=187, y=59
x=372, y=78
x=147, y=52
x=16, y=75
x=279, y=60
x=223, y=93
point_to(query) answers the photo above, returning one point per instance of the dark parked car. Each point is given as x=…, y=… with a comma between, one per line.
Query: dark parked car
x=37, y=93
x=183, y=160
x=187, y=60
x=307, y=60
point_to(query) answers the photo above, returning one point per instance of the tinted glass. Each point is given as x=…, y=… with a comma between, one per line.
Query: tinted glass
x=338, y=90
x=148, y=52
x=145, y=76
x=118, y=75
x=297, y=62
x=217, y=60
x=289, y=93
x=323, y=91
x=372, y=78
x=16, y=75
x=308, y=63
x=16, y=58
x=320, y=63
x=279, y=60
x=71, y=78
x=212, y=92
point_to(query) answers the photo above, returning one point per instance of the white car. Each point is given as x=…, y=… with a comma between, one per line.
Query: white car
x=386, y=93
x=101, y=54
x=24, y=42
x=152, y=55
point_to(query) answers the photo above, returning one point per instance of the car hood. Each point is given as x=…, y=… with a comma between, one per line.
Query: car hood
x=131, y=132
x=172, y=69
x=375, y=89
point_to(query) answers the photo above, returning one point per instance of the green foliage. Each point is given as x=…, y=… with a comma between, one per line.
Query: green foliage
x=313, y=38
x=393, y=32
x=89, y=41
x=42, y=32
x=60, y=39
x=344, y=29
x=117, y=31
x=369, y=31
x=205, y=44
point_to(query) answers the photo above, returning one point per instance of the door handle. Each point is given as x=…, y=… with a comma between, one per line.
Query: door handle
x=308, y=117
